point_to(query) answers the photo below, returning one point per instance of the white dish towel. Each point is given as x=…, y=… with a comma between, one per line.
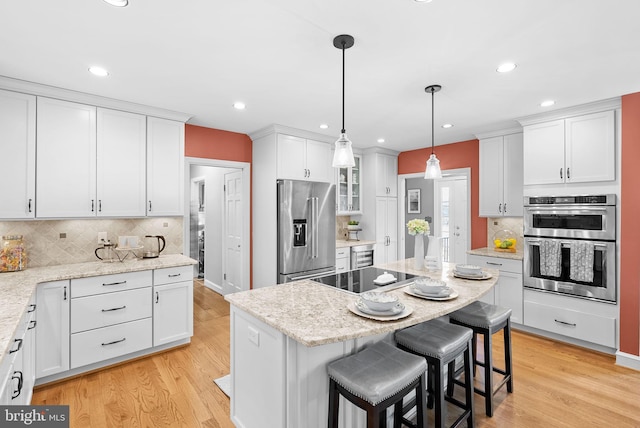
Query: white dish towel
x=550, y=258
x=581, y=260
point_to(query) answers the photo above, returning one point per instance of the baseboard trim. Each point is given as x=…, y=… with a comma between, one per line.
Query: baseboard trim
x=628, y=360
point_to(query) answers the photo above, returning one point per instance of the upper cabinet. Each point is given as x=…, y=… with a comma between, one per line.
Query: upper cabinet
x=18, y=137
x=386, y=174
x=66, y=159
x=165, y=167
x=349, y=188
x=303, y=159
x=501, y=176
x=572, y=150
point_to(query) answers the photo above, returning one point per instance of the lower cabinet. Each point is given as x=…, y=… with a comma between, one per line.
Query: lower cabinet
x=52, y=333
x=343, y=260
x=508, y=290
x=172, y=310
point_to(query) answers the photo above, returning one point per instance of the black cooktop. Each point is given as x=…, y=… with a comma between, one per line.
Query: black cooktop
x=361, y=280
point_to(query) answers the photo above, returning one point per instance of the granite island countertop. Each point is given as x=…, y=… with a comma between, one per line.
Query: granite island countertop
x=315, y=314
x=490, y=252
x=341, y=243
x=16, y=288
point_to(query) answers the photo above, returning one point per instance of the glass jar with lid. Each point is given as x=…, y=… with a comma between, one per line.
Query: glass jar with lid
x=504, y=240
x=12, y=254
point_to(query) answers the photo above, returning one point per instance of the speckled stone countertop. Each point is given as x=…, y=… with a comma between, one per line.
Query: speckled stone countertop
x=315, y=314
x=490, y=252
x=343, y=243
x=16, y=288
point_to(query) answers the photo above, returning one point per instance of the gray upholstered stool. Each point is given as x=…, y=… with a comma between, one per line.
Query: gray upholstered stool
x=440, y=343
x=486, y=319
x=375, y=378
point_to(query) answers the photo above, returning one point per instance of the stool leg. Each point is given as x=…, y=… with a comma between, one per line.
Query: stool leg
x=474, y=345
x=468, y=379
x=440, y=411
x=451, y=371
x=421, y=417
x=334, y=402
x=488, y=374
x=507, y=355
x=373, y=419
x=431, y=370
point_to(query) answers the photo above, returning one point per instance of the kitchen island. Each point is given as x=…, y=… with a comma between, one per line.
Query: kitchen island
x=283, y=336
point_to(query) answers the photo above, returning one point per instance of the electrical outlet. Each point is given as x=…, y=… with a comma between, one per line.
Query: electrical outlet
x=102, y=237
x=63, y=235
x=254, y=336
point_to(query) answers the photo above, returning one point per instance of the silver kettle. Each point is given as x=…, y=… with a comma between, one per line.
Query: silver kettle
x=152, y=246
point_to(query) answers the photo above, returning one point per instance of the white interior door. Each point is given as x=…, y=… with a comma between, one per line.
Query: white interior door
x=233, y=233
x=452, y=218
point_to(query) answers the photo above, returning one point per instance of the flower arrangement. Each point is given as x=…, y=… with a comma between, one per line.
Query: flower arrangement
x=418, y=227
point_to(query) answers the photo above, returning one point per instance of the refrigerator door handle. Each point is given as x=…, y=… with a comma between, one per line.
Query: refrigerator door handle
x=314, y=227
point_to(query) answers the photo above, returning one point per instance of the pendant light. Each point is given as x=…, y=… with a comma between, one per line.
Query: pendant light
x=433, y=164
x=343, y=155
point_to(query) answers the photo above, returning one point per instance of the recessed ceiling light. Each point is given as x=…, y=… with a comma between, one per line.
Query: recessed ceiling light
x=547, y=103
x=239, y=106
x=98, y=71
x=380, y=140
x=117, y=3
x=506, y=67
x=447, y=126
x=423, y=1
x=324, y=126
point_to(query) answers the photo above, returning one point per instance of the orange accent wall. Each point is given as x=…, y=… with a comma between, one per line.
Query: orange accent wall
x=465, y=154
x=209, y=143
x=629, y=231
x=212, y=143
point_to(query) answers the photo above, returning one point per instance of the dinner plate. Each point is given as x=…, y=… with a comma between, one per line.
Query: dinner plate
x=405, y=313
x=485, y=275
x=412, y=291
x=446, y=292
x=395, y=310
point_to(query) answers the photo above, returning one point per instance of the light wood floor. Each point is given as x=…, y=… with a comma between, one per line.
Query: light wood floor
x=555, y=385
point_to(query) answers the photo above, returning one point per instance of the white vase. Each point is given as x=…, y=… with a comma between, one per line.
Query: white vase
x=418, y=253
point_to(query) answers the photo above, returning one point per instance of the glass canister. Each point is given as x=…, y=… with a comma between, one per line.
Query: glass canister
x=504, y=240
x=12, y=255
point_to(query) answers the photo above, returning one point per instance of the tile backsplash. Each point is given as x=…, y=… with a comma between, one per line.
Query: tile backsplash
x=514, y=224
x=56, y=242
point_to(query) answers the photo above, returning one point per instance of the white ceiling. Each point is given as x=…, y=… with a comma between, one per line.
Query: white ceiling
x=277, y=56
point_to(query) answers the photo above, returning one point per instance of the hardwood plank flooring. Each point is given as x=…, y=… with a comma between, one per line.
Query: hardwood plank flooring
x=555, y=384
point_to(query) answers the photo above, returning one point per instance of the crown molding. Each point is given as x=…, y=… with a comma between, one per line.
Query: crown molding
x=595, y=107
x=301, y=133
x=499, y=133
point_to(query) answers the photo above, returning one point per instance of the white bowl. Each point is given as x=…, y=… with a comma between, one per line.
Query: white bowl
x=430, y=285
x=379, y=301
x=469, y=269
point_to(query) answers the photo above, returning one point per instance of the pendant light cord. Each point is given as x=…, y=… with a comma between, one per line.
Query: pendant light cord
x=343, y=44
x=432, y=121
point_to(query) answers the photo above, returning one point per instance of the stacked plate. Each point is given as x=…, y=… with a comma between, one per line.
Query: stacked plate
x=396, y=309
x=470, y=272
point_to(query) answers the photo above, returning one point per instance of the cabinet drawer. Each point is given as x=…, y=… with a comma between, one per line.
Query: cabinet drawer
x=110, y=283
x=342, y=252
x=173, y=274
x=507, y=265
x=580, y=325
x=109, y=342
x=107, y=309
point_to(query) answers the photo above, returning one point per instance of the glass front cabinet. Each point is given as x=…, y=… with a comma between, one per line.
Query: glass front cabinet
x=348, y=189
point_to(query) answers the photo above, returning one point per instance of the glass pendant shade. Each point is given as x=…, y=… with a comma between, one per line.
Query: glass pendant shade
x=433, y=168
x=343, y=155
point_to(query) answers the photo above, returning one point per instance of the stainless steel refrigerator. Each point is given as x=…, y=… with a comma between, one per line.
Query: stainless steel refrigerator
x=306, y=229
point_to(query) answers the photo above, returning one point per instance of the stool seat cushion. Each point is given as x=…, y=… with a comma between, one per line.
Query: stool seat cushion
x=435, y=338
x=481, y=314
x=377, y=372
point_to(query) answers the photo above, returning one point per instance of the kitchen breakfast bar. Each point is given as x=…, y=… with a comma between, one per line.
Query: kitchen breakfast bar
x=283, y=337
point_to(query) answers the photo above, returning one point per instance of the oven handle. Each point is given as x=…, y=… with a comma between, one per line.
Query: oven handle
x=563, y=243
x=543, y=210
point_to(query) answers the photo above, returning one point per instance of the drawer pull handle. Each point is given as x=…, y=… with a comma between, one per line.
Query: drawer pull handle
x=114, y=342
x=17, y=375
x=19, y=346
x=115, y=283
x=114, y=309
x=32, y=324
x=565, y=323
x=32, y=308
x=494, y=264
x=174, y=275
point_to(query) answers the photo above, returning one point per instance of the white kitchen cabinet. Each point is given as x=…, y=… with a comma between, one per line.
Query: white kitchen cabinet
x=16, y=372
x=508, y=291
x=303, y=159
x=52, y=332
x=29, y=352
x=501, y=161
x=18, y=137
x=6, y=385
x=66, y=159
x=173, y=305
x=343, y=259
x=349, y=188
x=386, y=174
x=572, y=150
x=386, y=230
x=165, y=167
x=121, y=163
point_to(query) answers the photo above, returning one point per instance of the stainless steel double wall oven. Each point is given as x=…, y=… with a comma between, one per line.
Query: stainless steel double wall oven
x=571, y=224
